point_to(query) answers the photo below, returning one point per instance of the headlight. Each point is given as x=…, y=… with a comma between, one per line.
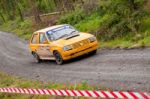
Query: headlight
x=92, y=39
x=67, y=47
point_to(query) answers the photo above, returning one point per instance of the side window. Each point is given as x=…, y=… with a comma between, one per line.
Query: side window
x=42, y=38
x=50, y=36
x=34, y=39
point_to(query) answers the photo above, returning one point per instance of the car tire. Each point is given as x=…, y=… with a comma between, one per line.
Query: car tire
x=58, y=58
x=36, y=57
x=93, y=52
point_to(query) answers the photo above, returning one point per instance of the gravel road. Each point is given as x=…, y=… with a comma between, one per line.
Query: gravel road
x=116, y=69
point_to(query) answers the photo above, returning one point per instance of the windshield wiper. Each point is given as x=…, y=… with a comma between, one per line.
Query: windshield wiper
x=63, y=36
x=72, y=35
x=72, y=32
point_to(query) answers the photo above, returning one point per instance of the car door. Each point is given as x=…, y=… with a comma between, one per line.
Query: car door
x=44, y=47
x=34, y=43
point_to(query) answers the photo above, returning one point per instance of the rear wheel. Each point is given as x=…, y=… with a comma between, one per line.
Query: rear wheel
x=36, y=57
x=58, y=58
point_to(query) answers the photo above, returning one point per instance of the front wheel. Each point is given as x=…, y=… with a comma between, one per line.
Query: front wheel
x=93, y=52
x=58, y=58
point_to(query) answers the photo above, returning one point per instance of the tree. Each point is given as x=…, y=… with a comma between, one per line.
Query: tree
x=2, y=16
x=7, y=7
x=20, y=13
x=35, y=11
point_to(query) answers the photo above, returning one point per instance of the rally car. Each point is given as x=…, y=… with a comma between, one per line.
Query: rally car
x=61, y=43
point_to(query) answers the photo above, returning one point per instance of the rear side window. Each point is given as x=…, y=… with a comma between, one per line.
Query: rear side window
x=34, y=39
x=42, y=38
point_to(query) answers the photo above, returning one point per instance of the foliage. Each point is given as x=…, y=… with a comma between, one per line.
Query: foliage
x=90, y=24
x=11, y=9
x=126, y=17
x=46, y=5
x=73, y=17
x=21, y=28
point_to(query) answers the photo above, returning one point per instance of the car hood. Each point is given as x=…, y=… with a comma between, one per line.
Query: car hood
x=71, y=40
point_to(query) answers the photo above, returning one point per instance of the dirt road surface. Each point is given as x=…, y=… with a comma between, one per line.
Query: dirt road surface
x=116, y=69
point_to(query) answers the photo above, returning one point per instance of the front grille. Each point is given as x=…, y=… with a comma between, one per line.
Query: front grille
x=80, y=43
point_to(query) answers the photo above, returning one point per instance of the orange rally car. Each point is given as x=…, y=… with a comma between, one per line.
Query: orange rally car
x=61, y=43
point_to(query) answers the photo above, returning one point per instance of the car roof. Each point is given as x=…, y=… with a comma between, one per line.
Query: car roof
x=49, y=28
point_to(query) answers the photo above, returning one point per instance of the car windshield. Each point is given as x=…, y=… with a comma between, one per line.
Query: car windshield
x=61, y=32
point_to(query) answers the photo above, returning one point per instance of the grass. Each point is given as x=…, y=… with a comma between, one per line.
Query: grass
x=10, y=81
x=19, y=28
x=89, y=24
x=127, y=42
x=118, y=43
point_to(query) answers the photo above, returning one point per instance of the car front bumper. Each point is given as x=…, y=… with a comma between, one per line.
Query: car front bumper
x=80, y=51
